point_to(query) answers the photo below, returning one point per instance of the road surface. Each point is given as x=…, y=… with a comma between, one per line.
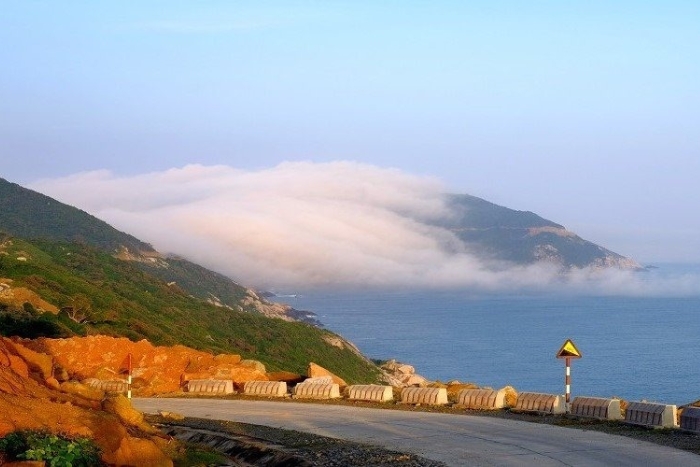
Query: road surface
x=457, y=440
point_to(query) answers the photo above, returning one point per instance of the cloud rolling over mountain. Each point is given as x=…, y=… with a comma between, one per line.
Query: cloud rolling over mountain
x=302, y=224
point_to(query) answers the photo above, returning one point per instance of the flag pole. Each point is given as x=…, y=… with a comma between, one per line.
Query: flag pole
x=128, y=380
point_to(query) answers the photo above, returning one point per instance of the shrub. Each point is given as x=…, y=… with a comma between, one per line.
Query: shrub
x=55, y=450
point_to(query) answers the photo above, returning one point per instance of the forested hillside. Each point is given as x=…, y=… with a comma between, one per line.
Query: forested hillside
x=99, y=294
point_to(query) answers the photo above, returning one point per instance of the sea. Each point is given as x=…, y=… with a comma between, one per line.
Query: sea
x=634, y=346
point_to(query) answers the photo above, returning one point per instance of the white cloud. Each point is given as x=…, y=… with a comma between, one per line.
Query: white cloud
x=301, y=224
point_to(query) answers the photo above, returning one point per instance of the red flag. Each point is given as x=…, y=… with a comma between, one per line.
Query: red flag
x=125, y=367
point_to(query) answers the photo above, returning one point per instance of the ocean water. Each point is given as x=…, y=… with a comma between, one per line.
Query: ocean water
x=632, y=347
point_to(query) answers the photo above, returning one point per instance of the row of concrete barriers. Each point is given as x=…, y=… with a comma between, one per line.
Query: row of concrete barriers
x=638, y=413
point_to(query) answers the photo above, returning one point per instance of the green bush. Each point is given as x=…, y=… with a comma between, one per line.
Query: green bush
x=25, y=325
x=55, y=450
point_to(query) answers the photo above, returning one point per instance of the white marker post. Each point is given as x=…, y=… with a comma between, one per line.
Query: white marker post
x=128, y=380
x=126, y=368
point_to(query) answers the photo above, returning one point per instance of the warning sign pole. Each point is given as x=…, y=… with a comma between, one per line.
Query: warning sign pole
x=125, y=367
x=567, y=352
x=567, y=380
x=128, y=377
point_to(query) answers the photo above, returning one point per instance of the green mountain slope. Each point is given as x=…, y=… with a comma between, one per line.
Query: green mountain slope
x=27, y=214
x=115, y=297
x=498, y=233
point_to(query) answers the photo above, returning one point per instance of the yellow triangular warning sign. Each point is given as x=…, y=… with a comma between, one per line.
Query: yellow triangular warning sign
x=568, y=350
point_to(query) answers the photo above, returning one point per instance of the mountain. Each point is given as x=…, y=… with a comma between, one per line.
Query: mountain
x=64, y=272
x=58, y=289
x=497, y=233
x=27, y=214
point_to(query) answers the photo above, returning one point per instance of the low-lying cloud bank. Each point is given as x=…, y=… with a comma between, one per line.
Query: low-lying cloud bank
x=302, y=225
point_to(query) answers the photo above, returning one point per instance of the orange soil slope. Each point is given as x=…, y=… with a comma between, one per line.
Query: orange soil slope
x=156, y=370
x=30, y=399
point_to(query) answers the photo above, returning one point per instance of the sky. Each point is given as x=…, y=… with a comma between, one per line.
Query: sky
x=586, y=113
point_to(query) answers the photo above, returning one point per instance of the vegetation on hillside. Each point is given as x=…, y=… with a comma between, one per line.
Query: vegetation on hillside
x=27, y=214
x=99, y=294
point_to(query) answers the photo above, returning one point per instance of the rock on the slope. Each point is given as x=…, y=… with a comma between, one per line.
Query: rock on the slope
x=18, y=296
x=317, y=371
x=401, y=375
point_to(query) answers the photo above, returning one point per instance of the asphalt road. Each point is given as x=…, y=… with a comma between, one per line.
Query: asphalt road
x=456, y=440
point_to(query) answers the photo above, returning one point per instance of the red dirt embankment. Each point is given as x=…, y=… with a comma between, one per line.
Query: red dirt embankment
x=156, y=370
x=31, y=398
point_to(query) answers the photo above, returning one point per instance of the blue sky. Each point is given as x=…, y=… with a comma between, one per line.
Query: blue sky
x=587, y=113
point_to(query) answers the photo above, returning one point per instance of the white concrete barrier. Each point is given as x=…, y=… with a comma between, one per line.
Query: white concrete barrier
x=427, y=396
x=596, y=407
x=651, y=414
x=316, y=391
x=113, y=386
x=370, y=393
x=482, y=399
x=690, y=419
x=543, y=403
x=210, y=386
x=265, y=388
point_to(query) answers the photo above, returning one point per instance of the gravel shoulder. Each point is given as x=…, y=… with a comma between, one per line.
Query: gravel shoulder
x=261, y=445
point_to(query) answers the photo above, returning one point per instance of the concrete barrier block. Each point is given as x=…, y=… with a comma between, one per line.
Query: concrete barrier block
x=427, y=396
x=538, y=402
x=265, y=388
x=316, y=391
x=370, y=393
x=112, y=386
x=690, y=419
x=210, y=386
x=651, y=414
x=482, y=399
x=596, y=407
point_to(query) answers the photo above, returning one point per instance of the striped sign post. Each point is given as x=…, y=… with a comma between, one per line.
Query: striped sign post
x=567, y=352
x=126, y=367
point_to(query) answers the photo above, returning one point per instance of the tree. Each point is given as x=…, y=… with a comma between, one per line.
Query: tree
x=80, y=308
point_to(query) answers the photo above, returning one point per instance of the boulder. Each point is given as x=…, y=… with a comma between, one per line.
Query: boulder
x=414, y=380
x=137, y=451
x=226, y=359
x=39, y=364
x=120, y=406
x=511, y=396
x=315, y=371
x=401, y=375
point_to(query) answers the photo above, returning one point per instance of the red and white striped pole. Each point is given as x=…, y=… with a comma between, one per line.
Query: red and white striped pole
x=567, y=380
x=568, y=351
x=128, y=378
